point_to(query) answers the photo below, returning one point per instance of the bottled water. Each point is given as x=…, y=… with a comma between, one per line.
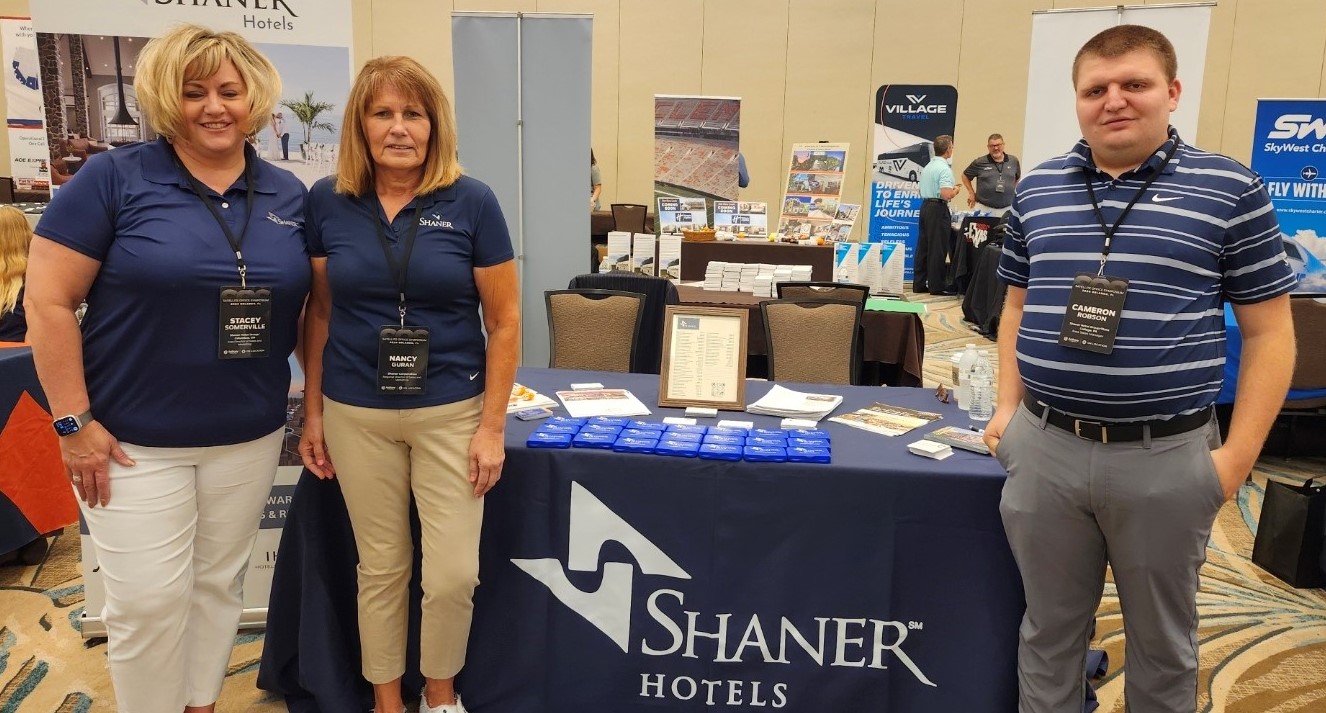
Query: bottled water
x=981, y=387
x=963, y=376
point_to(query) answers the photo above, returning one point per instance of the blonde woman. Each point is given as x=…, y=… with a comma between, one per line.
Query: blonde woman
x=171, y=400
x=400, y=237
x=15, y=236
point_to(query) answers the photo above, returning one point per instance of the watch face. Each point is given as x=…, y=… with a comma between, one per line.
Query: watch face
x=66, y=426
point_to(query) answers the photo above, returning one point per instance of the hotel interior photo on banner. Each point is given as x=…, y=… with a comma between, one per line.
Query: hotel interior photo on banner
x=858, y=356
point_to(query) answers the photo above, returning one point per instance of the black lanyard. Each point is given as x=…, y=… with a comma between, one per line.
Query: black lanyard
x=1095, y=205
x=999, y=165
x=235, y=243
x=400, y=270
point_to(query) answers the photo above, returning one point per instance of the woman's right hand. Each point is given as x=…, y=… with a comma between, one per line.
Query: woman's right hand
x=313, y=449
x=87, y=455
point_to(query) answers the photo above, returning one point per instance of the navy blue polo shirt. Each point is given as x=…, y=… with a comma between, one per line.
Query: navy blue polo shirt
x=460, y=228
x=1203, y=233
x=150, y=333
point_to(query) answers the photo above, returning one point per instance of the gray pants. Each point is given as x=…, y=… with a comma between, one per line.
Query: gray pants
x=1146, y=507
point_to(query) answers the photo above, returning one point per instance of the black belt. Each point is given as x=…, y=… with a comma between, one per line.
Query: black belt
x=1118, y=431
x=937, y=200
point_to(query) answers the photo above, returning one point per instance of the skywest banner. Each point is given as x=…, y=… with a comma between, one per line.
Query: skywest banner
x=908, y=118
x=1289, y=151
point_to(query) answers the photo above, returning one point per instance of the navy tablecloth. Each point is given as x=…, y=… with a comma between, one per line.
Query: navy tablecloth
x=623, y=583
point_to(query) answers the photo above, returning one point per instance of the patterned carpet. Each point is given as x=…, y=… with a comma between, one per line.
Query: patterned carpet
x=1263, y=643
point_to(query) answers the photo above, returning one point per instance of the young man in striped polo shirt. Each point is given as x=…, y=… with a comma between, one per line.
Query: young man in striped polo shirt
x=1119, y=258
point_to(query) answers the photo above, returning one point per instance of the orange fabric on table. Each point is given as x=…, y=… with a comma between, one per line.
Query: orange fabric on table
x=31, y=472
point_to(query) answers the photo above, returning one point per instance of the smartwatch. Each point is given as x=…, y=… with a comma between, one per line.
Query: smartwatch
x=69, y=425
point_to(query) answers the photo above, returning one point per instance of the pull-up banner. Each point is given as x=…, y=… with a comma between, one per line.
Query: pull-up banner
x=1289, y=151
x=908, y=118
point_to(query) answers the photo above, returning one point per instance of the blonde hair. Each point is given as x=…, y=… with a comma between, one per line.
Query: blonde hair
x=355, y=167
x=190, y=53
x=15, y=236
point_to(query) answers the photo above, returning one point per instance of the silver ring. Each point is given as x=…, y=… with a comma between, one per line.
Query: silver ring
x=78, y=478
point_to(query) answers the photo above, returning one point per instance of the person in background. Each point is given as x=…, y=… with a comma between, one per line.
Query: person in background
x=743, y=176
x=401, y=237
x=15, y=237
x=996, y=175
x=935, y=230
x=278, y=127
x=172, y=398
x=1119, y=257
x=595, y=182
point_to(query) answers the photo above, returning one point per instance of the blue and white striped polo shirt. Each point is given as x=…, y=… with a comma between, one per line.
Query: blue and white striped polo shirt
x=1203, y=233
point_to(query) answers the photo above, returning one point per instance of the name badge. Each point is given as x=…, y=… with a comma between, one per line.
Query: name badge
x=402, y=359
x=999, y=186
x=244, y=330
x=1095, y=308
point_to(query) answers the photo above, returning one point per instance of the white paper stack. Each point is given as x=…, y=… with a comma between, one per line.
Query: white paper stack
x=713, y=275
x=781, y=273
x=731, y=276
x=801, y=273
x=781, y=401
x=748, y=272
x=930, y=449
x=762, y=285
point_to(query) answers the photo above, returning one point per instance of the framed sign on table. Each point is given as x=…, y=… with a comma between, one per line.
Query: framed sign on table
x=704, y=358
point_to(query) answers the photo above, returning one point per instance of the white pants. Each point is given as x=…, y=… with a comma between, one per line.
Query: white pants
x=173, y=546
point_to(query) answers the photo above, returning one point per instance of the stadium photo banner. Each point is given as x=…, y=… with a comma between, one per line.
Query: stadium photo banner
x=695, y=147
x=908, y=119
x=814, y=189
x=1289, y=152
x=29, y=159
x=308, y=41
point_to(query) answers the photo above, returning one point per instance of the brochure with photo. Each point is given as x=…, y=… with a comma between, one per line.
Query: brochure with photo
x=642, y=254
x=669, y=256
x=678, y=214
x=964, y=438
x=601, y=402
x=886, y=420
x=619, y=252
x=745, y=220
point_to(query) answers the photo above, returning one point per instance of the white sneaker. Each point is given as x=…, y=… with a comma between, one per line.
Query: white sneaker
x=445, y=708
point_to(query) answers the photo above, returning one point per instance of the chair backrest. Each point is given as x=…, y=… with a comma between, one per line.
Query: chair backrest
x=822, y=291
x=629, y=217
x=1310, y=333
x=658, y=292
x=812, y=341
x=594, y=330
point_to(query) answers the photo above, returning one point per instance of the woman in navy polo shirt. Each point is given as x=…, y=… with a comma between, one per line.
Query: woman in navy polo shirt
x=405, y=252
x=171, y=402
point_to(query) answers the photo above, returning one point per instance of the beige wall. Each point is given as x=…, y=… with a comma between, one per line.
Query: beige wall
x=807, y=70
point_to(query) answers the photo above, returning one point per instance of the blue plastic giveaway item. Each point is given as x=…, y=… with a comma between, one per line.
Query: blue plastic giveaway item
x=754, y=440
x=600, y=428
x=719, y=451
x=592, y=439
x=672, y=447
x=566, y=421
x=544, y=439
x=808, y=442
x=723, y=440
x=681, y=428
x=801, y=454
x=629, y=444
x=619, y=421
x=764, y=454
x=557, y=428
x=647, y=425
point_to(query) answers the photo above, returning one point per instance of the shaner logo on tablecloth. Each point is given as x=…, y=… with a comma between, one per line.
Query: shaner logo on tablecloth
x=819, y=640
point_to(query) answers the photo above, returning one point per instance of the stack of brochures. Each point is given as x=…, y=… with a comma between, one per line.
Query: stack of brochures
x=713, y=275
x=787, y=403
x=886, y=420
x=963, y=438
x=601, y=402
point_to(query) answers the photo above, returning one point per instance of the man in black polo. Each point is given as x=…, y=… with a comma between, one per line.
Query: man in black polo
x=996, y=174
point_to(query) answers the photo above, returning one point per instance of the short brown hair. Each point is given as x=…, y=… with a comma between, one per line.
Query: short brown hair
x=943, y=143
x=992, y=137
x=189, y=53
x=1122, y=39
x=355, y=167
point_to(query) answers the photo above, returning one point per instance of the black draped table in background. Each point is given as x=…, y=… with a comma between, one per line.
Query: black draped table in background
x=620, y=583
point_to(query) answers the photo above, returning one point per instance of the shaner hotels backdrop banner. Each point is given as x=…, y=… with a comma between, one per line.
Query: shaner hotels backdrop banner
x=87, y=52
x=1289, y=151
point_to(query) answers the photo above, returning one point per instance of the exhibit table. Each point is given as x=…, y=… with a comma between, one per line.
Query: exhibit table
x=894, y=342
x=631, y=583
x=696, y=255
x=35, y=497
x=1234, y=355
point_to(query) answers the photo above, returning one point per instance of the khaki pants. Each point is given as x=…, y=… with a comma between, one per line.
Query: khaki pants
x=381, y=457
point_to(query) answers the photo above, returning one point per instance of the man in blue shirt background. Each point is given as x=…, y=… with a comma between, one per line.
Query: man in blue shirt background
x=935, y=234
